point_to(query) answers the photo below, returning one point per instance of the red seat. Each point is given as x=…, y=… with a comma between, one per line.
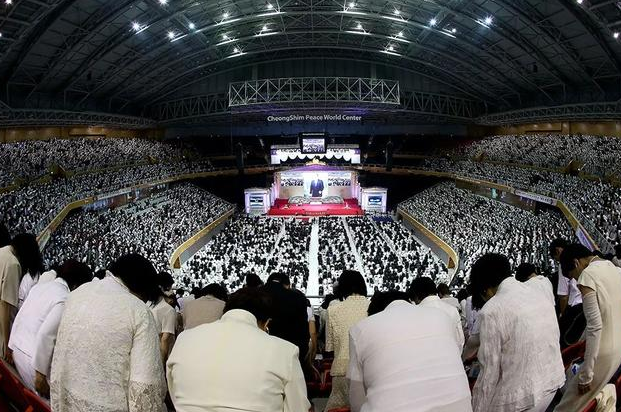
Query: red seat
x=35, y=403
x=573, y=352
x=12, y=387
x=618, y=387
x=339, y=410
x=591, y=407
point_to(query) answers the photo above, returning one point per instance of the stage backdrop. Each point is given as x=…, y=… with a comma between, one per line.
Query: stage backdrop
x=317, y=183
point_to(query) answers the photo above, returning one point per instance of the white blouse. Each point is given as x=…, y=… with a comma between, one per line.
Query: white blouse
x=107, y=356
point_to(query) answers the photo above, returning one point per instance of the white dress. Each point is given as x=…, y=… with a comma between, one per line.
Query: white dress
x=107, y=356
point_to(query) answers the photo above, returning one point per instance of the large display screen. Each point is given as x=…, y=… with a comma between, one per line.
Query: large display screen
x=313, y=145
x=316, y=183
x=255, y=201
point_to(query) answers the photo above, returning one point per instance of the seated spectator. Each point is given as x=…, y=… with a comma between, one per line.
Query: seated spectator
x=341, y=317
x=289, y=315
x=34, y=331
x=165, y=316
x=424, y=293
x=404, y=358
x=521, y=365
x=253, y=281
x=206, y=308
x=600, y=284
x=527, y=274
x=20, y=257
x=107, y=356
x=234, y=365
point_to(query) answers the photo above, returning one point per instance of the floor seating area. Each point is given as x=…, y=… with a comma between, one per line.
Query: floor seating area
x=15, y=396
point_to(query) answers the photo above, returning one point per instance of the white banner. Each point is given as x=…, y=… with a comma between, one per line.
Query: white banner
x=536, y=197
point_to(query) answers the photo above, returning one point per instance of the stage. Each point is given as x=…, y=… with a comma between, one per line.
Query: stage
x=350, y=207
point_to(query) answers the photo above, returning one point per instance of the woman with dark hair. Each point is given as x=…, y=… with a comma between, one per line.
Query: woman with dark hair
x=107, y=356
x=5, y=236
x=20, y=257
x=165, y=315
x=34, y=331
x=341, y=317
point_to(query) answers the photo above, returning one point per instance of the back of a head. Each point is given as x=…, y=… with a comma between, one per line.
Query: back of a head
x=28, y=253
x=351, y=282
x=443, y=290
x=570, y=254
x=524, y=271
x=100, y=274
x=487, y=272
x=422, y=287
x=618, y=251
x=278, y=277
x=139, y=275
x=5, y=236
x=253, y=300
x=557, y=243
x=462, y=294
x=381, y=300
x=165, y=280
x=253, y=281
x=75, y=273
x=215, y=290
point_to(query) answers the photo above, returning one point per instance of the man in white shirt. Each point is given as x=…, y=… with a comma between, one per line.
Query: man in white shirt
x=405, y=359
x=527, y=274
x=424, y=293
x=445, y=294
x=234, y=365
x=571, y=320
x=520, y=356
x=34, y=331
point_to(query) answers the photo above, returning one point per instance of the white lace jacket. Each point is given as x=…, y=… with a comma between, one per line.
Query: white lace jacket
x=107, y=355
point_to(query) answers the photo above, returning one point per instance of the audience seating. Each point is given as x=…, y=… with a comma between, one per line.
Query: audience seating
x=340, y=410
x=36, y=404
x=12, y=387
x=591, y=407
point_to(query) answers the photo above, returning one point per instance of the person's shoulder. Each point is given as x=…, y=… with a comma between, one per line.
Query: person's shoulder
x=280, y=345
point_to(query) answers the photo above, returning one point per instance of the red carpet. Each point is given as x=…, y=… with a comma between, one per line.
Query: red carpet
x=349, y=208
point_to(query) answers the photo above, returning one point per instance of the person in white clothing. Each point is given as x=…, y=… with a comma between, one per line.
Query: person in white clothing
x=33, y=336
x=423, y=292
x=445, y=294
x=165, y=317
x=520, y=356
x=234, y=365
x=28, y=281
x=527, y=273
x=107, y=356
x=404, y=358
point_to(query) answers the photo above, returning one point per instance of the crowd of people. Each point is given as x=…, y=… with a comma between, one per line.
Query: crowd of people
x=153, y=227
x=598, y=155
x=31, y=208
x=475, y=225
x=33, y=158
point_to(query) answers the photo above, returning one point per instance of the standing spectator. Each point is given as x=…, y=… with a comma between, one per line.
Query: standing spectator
x=289, y=317
x=341, y=318
x=617, y=258
x=527, y=273
x=404, y=358
x=233, y=365
x=600, y=284
x=165, y=316
x=571, y=320
x=107, y=355
x=424, y=293
x=206, y=308
x=21, y=256
x=34, y=331
x=521, y=365
x=445, y=294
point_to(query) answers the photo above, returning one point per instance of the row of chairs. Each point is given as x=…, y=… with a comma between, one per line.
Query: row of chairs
x=14, y=396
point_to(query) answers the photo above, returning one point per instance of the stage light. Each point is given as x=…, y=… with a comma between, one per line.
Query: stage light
x=192, y=26
x=615, y=35
x=352, y=5
x=432, y=22
x=264, y=28
x=270, y=6
x=8, y=2
x=225, y=36
x=454, y=30
x=391, y=48
x=400, y=34
x=225, y=15
x=136, y=26
x=163, y=2
x=489, y=20
x=397, y=12
x=359, y=26
x=171, y=35
x=579, y=1
x=236, y=50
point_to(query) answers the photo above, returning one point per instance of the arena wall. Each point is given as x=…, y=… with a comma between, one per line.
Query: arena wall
x=601, y=128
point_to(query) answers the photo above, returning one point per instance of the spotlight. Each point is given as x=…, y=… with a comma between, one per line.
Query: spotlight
x=397, y=12
x=171, y=35
x=359, y=26
x=454, y=30
x=264, y=28
x=136, y=26
x=8, y=2
x=192, y=26
x=225, y=36
x=163, y=2
x=270, y=6
x=236, y=50
x=226, y=15
x=400, y=34
x=391, y=48
x=352, y=5
x=489, y=20
x=432, y=22
x=615, y=35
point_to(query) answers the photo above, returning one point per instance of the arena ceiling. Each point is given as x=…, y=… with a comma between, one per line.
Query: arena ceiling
x=124, y=56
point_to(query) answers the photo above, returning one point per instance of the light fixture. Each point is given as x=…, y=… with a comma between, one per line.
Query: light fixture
x=192, y=26
x=225, y=15
x=225, y=36
x=359, y=26
x=163, y=2
x=432, y=22
x=236, y=50
x=171, y=35
x=400, y=34
x=8, y=2
x=264, y=28
x=270, y=6
x=579, y=1
x=136, y=26
x=453, y=30
x=489, y=20
x=397, y=12
x=352, y=5
x=615, y=35
x=391, y=48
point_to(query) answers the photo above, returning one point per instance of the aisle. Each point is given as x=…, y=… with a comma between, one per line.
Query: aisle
x=313, y=261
